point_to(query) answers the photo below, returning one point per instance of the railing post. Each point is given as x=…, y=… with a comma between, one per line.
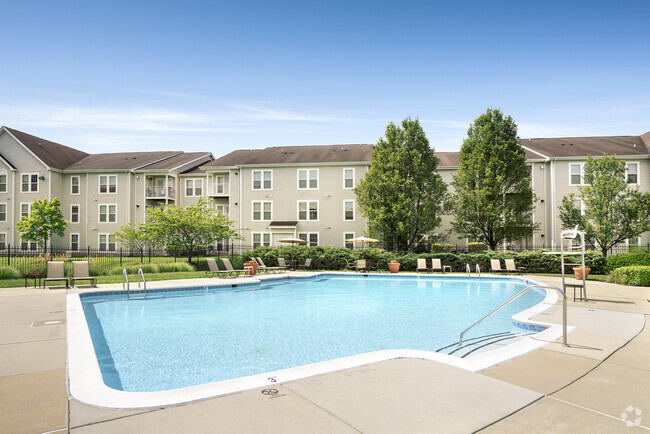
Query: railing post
x=120, y=256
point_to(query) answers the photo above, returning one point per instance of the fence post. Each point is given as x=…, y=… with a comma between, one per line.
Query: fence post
x=150, y=255
x=88, y=253
x=232, y=250
x=120, y=256
x=8, y=254
x=141, y=255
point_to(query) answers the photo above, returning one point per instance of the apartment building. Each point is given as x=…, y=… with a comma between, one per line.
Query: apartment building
x=301, y=191
x=272, y=193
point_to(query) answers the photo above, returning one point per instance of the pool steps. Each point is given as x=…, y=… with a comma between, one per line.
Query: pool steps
x=481, y=343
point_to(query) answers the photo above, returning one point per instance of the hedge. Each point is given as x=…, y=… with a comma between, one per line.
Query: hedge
x=333, y=258
x=632, y=276
x=627, y=260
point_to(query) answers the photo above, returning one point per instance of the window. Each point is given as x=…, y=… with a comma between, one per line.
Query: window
x=347, y=236
x=3, y=182
x=307, y=210
x=74, y=242
x=261, y=239
x=262, y=179
x=74, y=213
x=262, y=210
x=307, y=179
x=193, y=187
x=348, y=210
x=632, y=173
x=107, y=213
x=107, y=242
x=348, y=178
x=223, y=208
x=3, y=241
x=29, y=183
x=74, y=185
x=108, y=183
x=25, y=209
x=3, y=212
x=28, y=245
x=222, y=184
x=633, y=242
x=311, y=238
x=575, y=174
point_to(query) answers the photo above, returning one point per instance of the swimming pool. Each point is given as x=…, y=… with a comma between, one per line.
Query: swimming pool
x=184, y=337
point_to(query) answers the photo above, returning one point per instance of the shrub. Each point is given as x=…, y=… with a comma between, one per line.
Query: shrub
x=476, y=247
x=627, y=260
x=638, y=275
x=174, y=267
x=437, y=247
x=9, y=273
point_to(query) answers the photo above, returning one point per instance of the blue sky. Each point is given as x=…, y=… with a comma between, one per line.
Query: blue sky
x=218, y=76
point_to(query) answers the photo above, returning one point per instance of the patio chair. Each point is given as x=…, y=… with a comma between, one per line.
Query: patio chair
x=361, y=266
x=511, y=268
x=230, y=268
x=495, y=266
x=214, y=269
x=80, y=272
x=266, y=269
x=306, y=265
x=422, y=266
x=282, y=264
x=55, y=273
x=436, y=265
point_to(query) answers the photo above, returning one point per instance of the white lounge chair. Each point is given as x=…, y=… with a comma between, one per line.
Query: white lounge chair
x=422, y=266
x=80, y=272
x=495, y=266
x=511, y=268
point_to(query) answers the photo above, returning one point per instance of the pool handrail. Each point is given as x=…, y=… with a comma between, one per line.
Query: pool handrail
x=564, y=312
x=144, y=282
x=468, y=270
x=478, y=271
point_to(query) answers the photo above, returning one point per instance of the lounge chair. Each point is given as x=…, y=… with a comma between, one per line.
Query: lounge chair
x=230, y=269
x=422, y=266
x=495, y=266
x=511, y=268
x=80, y=272
x=306, y=265
x=214, y=269
x=55, y=273
x=361, y=266
x=436, y=265
x=263, y=267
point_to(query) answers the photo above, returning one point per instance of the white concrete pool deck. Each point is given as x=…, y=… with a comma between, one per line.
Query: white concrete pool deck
x=597, y=384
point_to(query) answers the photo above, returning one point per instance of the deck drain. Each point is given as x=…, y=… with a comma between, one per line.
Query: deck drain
x=48, y=323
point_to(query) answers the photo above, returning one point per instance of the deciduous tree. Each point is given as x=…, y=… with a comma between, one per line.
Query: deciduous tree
x=613, y=210
x=44, y=221
x=493, y=195
x=402, y=194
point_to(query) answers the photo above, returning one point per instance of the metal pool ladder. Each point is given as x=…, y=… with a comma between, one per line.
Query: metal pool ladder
x=144, y=281
x=468, y=270
x=564, y=309
x=478, y=271
x=125, y=280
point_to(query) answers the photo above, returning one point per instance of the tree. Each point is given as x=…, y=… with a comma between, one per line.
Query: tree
x=402, y=194
x=184, y=229
x=133, y=236
x=493, y=195
x=44, y=221
x=613, y=210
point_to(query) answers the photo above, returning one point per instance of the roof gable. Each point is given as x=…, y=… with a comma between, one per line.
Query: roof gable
x=50, y=153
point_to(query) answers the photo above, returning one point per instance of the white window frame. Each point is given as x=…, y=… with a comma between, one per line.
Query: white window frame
x=3, y=186
x=354, y=214
x=261, y=202
x=308, y=219
x=308, y=179
x=78, y=178
x=194, y=187
x=225, y=183
x=72, y=242
x=108, y=243
x=225, y=209
x=29, y=209
x=29, y=182
x=108, y=184
x=261, y=172
x=28, y=246
x=582, y=173
x=78, y=213
x=264, y=239
x=344, y=178
x=108, y=212
x=308, y=238
x=638, y=242
x=3, y=240
x=638, y=173
x=5, y=212
x=345, y=240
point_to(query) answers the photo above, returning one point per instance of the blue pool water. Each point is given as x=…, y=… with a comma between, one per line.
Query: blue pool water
x=183, y=338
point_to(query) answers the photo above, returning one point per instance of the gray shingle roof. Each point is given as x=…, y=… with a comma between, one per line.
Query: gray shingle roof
x=296, y=155
x=53, y=154
x=120, y=160
x=582, y=146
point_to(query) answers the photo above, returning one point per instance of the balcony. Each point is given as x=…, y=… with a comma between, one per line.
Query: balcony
x=218, y=190
x=161, y=193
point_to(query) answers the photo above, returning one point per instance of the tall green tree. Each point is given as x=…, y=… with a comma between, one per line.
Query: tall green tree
x=613, y=210
x=133, y=236
x=401, y=194
x=44, y=221
x=184, y=229
x=493, y=195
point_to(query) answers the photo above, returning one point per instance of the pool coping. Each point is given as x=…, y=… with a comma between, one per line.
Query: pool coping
x=85, y=381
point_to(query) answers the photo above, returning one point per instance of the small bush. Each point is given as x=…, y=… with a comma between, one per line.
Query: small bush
x=133, y=269
x=632, y=276
x=174, y=267
x=437, y=247
x=476, y=247
x=627, y=260
x=9, y=273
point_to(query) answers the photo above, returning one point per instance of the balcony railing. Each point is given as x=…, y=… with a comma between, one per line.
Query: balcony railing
x=161, y=193
x=218, y=190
